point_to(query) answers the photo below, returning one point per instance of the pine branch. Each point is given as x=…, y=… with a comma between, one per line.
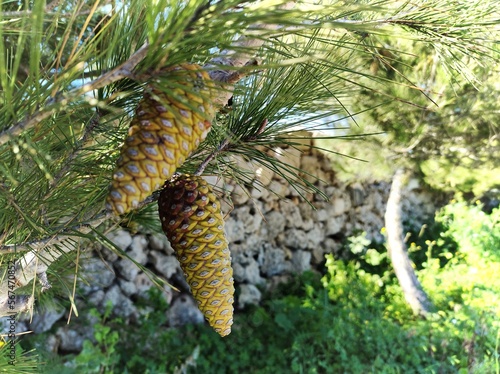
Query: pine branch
x=32, y=265
x=225, y=77
x=125, y=70
x=221, y=148
x=35, y=263
x=64, y=235
x=49, y=8
x=120, y=72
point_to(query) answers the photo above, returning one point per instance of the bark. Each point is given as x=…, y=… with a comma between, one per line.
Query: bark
x=398, y=253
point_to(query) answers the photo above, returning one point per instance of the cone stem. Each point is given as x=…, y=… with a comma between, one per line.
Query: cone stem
x=221, y=148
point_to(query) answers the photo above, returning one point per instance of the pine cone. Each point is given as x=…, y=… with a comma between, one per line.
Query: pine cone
x=167, y=127
x=191, y=218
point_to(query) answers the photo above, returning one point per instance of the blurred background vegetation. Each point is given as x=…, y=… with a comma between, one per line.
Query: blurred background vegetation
x=352, y=318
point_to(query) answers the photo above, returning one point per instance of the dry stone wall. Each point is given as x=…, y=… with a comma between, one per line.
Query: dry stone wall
x=273, y=233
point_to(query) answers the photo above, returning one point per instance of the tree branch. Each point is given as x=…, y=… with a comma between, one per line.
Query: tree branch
x=118, y=73
x=30, y=264
x=231, y=59
x=222, y=147
x=33, y=264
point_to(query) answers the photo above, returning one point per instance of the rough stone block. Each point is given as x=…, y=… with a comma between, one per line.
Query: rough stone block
x=165, y=265
x=184, y=311
x=121, y=238
x=97, y=274
x=249, y=295
x=137, y=249
x=44, y=321
x=126, y=269
x=122, y=305
x=296, y=239
x=301, y=261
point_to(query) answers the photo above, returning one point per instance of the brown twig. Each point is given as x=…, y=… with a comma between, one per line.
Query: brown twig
x=221, y=148
x=120, y=72
x=63, y=235
x=261, y=129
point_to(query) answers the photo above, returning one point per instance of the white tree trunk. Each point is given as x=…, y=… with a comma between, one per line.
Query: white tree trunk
x=412, y=289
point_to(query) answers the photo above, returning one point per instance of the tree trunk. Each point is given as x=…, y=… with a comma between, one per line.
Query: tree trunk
x=412, y=289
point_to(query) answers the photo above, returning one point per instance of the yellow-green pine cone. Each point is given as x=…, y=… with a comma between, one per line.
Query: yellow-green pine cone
x=191, y=218
x=168, y=125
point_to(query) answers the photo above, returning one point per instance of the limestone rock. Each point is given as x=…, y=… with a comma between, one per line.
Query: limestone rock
x=238, y=272
x=291, y=213
x=274, y=224
x=43, y=321
x=156, y=242
x=166, y=265
x=296, y=239
x=235, y=230
x=51, y=344
x=126, y=268
x=245, y=165
x=264, y=175
x=357, y=193
x=333, y=226
x=122, y=305
x=108, y=254
x=96, y=298
x=69, y=340
x=240, y=195
x=278, y=189
x=184, y=311
x=127, y=287
x=167, y=294
x=249, y=217
x=251, y=244
x=321, y=215
x=307, y=214
x=276, y=280
x=290, y=158
x=143, y=283
x=309, y=165
x=259, y=191
x=160, y=243
x=339, y=206
x=245, y=268
x=332, y=246
x=273, y=262
x=121, y=238
x=97, y=274
x=249, y=295
x=301, y=261
x=318, y=254
x=306, y=210
x=137, y=249
x=252, y=273
x=316, y=236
